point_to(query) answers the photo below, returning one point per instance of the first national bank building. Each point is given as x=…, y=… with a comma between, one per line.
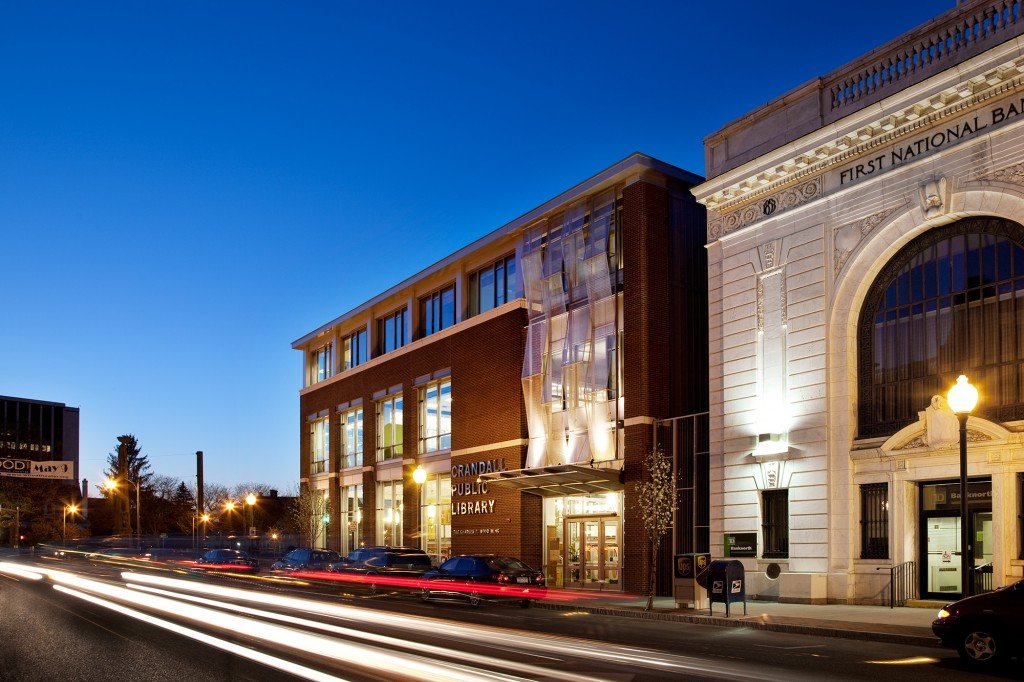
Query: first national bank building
x=865, y=247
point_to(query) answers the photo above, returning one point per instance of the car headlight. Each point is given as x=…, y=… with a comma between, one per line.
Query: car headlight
x=943, y=613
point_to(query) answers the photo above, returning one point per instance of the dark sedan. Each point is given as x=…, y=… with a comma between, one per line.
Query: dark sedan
x=305, y=559
x=227, y=560
x=484, y=577
x=985, y=628
x=384, y=567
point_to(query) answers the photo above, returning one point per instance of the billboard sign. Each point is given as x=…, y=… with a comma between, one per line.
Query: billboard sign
x=27, y=468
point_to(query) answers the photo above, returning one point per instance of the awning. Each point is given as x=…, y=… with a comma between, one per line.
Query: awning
x=558, y=481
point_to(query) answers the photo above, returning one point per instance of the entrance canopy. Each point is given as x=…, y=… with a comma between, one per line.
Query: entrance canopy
x=558, y=481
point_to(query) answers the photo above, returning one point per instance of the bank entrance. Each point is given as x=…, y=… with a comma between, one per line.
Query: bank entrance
x=940, y=526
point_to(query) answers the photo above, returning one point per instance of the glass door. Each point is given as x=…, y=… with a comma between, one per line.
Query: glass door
x=942, y=555
x=592, y=552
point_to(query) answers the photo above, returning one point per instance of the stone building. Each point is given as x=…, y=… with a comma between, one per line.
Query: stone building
x=866, y=247
x=501, y=400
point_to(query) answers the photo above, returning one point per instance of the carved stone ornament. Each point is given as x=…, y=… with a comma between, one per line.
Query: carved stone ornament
x=846, y=238
x=934, y=195
x=720, y=225
x=1013, y=175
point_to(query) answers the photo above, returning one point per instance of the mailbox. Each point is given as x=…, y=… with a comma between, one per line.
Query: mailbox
x=690, y=584
x=727, y=584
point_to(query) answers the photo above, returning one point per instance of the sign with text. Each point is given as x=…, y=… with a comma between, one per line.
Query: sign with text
x=740, y=545
x=27, y=468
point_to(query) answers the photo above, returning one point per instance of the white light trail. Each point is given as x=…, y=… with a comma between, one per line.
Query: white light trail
x=18, y=571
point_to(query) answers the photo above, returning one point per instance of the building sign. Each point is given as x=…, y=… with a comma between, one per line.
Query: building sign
x=942, y=136
x=27, y=468
x=473, y=488
x=740, y=545
x=946, y=496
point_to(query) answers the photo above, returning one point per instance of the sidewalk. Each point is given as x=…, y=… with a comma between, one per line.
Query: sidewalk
x=873, y=623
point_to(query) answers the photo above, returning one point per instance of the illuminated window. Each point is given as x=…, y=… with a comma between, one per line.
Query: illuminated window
x=436, y=416
x=389, y=513
x=355, y=349
x=351, y=518
x=437, y=311
x=436, y=517
x=319, y=445
x=352, y=438
x=493, y=286
x=391, y=330
x=389, y=428
x=321, y=364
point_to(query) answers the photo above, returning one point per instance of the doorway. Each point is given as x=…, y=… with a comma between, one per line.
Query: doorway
x=940, y=526
x=592, y=552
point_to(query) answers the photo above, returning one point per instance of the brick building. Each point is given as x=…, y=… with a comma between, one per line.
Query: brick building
x=502, y=399
x=38, y=439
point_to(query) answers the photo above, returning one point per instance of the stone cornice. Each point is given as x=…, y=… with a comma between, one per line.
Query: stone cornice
x=950, y=101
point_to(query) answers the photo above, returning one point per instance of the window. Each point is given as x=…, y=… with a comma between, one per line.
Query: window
x=389, y=513
x=321, y=364
x=950, y=301
x=874, y=521
x=391, y=330
x=436, y=416
x=1020, y=514
x=352, y=438
x=319, y=445
x=355, y=349
x=775, y=524
x=389, y=428
x=351, y=518
x=436, y=517
x=437, y=311
x=493, y=286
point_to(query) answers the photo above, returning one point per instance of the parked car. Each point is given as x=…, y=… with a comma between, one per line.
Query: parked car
x=397, y=566
x=305, y=559
x=484, y=577
x=985, y=628
x=228, y=559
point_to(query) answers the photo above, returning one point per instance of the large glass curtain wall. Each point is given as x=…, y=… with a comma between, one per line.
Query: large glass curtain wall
x=389, y=513
x=952, y=301
x=436, y=517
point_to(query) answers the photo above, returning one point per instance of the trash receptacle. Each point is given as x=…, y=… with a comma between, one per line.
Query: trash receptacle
x=690, y=579
x=727, y=584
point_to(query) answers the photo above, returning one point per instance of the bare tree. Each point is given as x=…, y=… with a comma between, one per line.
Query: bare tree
x=164, y=486
x=308, y=513
x=656, y=501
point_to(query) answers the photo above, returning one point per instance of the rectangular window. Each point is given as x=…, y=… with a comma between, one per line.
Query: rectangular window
x=436, y=416
x=493, y=286
x=355, y=349
x=389, y=428
x=775, y=524
x=389, y=513
x=437, y=311
x=319, y=445
x=352, y=438
x=436, y=517
x=351, y=518
x=391, y=330
x=321, y=364
x=874, y=521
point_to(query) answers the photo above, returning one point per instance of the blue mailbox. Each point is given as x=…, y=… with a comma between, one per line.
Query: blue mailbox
x=727, y=584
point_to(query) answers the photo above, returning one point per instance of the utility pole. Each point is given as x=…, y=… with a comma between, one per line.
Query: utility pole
x=200, y=508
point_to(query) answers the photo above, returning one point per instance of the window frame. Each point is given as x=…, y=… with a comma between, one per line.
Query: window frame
x=397, y=510
x=439, y=442
x=874, y=518
x=432, y=307
x=504, y=287
x=319, y=443
x=395, y=449
x=355, y=350
x=354, y=458
x=352, y=517
x=775, y=523
x=399, y=320
x=321, y=364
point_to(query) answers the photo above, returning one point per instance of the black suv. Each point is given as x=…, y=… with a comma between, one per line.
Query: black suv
x=305, y=559
x=484, y=577
x=384, y=567
x=227, y=560
x=985, y=628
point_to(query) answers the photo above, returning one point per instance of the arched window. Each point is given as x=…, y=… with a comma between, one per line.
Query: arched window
x=950, y=302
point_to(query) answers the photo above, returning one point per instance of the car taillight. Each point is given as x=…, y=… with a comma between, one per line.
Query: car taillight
x=502, y=578
x=539, y=579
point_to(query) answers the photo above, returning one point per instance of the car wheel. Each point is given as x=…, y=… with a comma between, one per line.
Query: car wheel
x=978, y=646
x=474, y=600
x=425, y=594
x=525, y=603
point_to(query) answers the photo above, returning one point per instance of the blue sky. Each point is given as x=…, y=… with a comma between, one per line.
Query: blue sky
x=187, y=187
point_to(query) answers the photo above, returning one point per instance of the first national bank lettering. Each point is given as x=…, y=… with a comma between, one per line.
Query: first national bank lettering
x=474, y=487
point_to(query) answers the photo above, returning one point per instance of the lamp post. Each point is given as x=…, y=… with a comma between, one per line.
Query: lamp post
x=419, y=477
x=112, y=484
x=250, y=507
x=205, y=518
x=962, y=398
x=73, y=508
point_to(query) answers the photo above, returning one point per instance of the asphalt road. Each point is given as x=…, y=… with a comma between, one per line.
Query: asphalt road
x=80, y=621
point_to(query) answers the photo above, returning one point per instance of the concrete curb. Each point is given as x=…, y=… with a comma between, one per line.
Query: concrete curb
x=831, y=629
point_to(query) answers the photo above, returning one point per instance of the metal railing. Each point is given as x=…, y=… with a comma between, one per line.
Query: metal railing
x=981, y=579
x=902, y=583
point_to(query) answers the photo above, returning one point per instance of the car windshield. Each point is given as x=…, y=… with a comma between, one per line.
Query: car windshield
x=408, y=560
x=504, y=563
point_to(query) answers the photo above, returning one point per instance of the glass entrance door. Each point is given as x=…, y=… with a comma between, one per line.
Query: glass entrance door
x=942, y=555
x=940, y=537
x=592, y=552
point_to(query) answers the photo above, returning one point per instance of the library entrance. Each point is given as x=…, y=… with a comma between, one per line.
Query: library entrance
x=940, y=536
x=592, y=551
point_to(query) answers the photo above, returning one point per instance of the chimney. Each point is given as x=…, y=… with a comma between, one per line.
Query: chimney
x=85, y=498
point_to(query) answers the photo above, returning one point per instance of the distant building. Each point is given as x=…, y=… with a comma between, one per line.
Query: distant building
x=866, y=246
x=38, y=439
x=523, y=376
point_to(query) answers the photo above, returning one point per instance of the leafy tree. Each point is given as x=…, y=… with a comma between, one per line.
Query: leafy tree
x=138, y=468
x=307, y=515
x=656, y=500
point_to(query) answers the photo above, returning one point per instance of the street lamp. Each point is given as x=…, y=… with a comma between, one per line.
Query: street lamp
x=962, y=398
x=73, y=508
x=112, y=484
x=250, y=504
